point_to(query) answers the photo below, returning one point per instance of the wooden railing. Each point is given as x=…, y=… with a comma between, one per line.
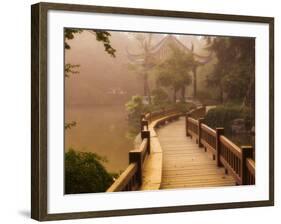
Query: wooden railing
x=131, y=178
x=167, y=118
x=250, y=172
x=151, y=116
x=237, y=161
x=208, y=139
x=198, y=112
x=192, y=127
x=126, y=181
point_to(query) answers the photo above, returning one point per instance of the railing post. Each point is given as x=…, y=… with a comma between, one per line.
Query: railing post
x=219, y=132
x=204, y=109
x=135, y=157
x=186, y=123
x=142, y=116
x=146, y=134
x=247, y=152
x=200, y=121
x=143, y=124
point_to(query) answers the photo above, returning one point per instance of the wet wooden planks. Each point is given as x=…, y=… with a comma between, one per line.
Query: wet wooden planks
x=184, y=163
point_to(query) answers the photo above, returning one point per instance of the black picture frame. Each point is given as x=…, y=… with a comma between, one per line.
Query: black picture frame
x=39, y=107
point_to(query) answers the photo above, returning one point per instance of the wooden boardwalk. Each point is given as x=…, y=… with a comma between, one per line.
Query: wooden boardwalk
x=184, y=163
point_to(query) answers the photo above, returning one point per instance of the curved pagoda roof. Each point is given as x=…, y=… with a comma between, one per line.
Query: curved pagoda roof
x=161, y=50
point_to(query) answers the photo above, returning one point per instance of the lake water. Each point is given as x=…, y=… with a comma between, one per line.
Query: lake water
x=102, y=130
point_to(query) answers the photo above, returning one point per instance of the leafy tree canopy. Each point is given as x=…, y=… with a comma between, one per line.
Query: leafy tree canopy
x=160, y=97
x=102, y=36
x=174, y=72
x=234, y=70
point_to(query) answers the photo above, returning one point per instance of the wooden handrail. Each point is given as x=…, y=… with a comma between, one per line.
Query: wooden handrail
x=131, y=178
x=143, y=149
x=126, y=181
x=236, y=160
x=231, y=146
x=151, y=116
x=247, y=152
x=198, y=112
x=250, y=163
x=192, y=129
x=250, y=174
x=144, y=124
x=193, y=121
x=231, y=158
x=208, y=139
x=209, y=130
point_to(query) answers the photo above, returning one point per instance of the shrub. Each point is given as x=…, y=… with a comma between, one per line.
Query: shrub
x=135, y=108
x=222, y=116
x=160, y=97
x=84, y=173
x=184, y=107
x=206, y=98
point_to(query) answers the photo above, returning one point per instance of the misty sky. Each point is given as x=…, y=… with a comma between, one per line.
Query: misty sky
x=100, y=74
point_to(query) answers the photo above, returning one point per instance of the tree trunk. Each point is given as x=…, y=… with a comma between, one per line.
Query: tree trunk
x=194, y=70
x=183, y=93
x=146, y=89
x=221, y=93
x=175, y=95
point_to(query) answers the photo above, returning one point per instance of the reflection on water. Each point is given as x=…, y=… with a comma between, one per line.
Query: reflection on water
x=102, y=130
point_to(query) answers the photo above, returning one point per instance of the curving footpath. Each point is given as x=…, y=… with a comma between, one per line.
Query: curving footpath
x=184, y=163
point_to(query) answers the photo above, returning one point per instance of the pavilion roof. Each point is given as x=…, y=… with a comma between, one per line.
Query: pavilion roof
x=158, y=50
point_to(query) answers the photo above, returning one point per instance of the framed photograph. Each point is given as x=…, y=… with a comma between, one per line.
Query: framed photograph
x=139, y=111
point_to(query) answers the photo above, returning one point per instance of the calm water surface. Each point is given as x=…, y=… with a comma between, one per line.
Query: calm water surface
x=102, y=130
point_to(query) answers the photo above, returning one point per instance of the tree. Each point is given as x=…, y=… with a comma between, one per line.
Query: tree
x=135, y=108
x=175, y=71
x=70, y=125
x=160, y=97
x=102, y=36
x=145, y=44
x=84, y=173
x=234, y=71
x=135, y=104
x=69, y=34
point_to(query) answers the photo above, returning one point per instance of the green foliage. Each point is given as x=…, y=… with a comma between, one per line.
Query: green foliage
x=101, y=36
x=70, y=125
x=174, y=72
x=184, y=107
x=69, y=35
x=144, y=43
x=222, y=116
x=234, y=71
x=70, y=69
x=84, y=173
x=135, y=105
x=135, y=108
x=160, y=97
x=206, y=98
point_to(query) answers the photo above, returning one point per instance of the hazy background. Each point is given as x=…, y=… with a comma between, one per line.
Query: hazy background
x=95, y=98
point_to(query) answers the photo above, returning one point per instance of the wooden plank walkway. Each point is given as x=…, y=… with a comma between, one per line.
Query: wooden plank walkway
x=184, y=163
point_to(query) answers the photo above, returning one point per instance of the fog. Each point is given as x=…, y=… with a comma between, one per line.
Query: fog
x=101, y=74
x=95, y=97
